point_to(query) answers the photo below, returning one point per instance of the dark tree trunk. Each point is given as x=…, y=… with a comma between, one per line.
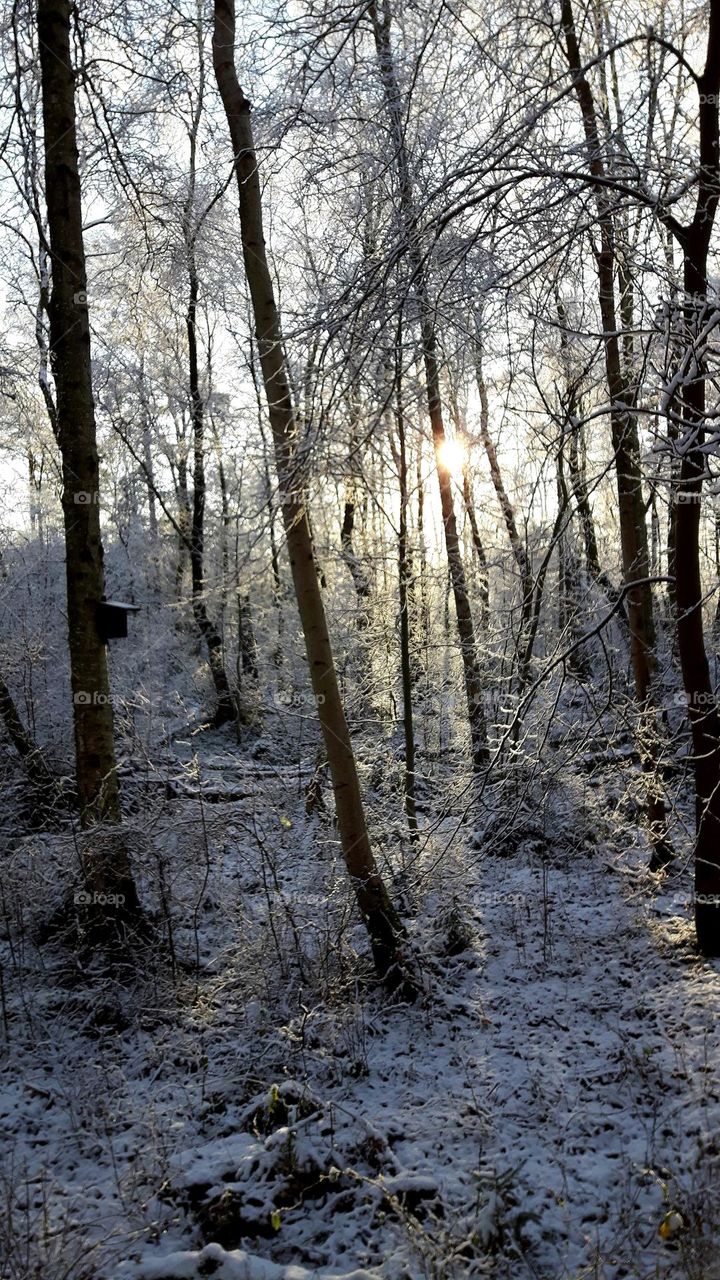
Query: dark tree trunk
x=226, y=520
x=404, y=580
x=75, y=412
x=183, y=517
x=97, y=783
x=37, y=770
x=247, y=648
x=702, y=707
x=225, y=710
x=626, y=446
x=483, y=575
x=569, y=587
x=379, y=915
x=360, y=579
x=422, y=598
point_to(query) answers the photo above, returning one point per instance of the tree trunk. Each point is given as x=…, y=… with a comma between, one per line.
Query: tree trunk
x=569, y=587
x=148, y=466
x=379, y=915
x=517, y=545
x=225, y=710
x=469, y=505
x=26, y=747
x=404, y=579
x=225, y=519
x=277, y=586
x=247, y=648
x=97, y=783
x=578, y=481
x=626, y=446
x=357, y=573
x=35, y=480
x=463, y=612
x=183, y=516
x=70, y=361
x=422, y=598
x=484, y=578
x=700, y=321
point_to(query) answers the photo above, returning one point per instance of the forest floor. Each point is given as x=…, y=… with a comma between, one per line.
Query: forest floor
x=248, y=1105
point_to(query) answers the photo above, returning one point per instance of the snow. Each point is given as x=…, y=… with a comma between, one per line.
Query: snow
x=199, y=1165
x=544, y=1107
x=235, y=1265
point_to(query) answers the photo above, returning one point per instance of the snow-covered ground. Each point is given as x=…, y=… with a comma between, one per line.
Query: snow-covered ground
x=540, y=1112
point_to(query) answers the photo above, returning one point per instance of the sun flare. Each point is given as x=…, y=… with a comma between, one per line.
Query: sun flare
x=452, y=455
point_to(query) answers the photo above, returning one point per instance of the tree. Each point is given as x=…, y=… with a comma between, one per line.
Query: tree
x=191, y=225
x=376, y=909
x=96, y=773
x=701, y=316
x=381, y=18
x=626, y=447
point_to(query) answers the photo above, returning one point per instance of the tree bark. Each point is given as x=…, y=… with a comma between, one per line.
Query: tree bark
x=469, y=505
x=379, y=916
x=484, y=577
x=700, y=320
x=404, y=580
x=573, y=427
x=360, y=579
x=148, y=467
x=277, y=584
x=247, y=648
x=626, y=447
x=517, y=545
x=225, y=710
x=26, y=747
x=466, y=631
x=97, y=783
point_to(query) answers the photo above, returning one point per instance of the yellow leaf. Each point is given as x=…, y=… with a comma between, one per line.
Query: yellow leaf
x=285, y=822
x=275, y=1219
x=671, y=1224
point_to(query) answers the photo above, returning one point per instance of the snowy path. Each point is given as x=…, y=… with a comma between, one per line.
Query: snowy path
x=602, y=1046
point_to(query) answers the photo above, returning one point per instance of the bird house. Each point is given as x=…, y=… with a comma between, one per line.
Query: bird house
x=112, y=616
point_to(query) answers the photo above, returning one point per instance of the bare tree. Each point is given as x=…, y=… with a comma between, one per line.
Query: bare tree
x=379, y=915
x=96, y=774
x=626, y=447
x=701, y=318
x=381, y=18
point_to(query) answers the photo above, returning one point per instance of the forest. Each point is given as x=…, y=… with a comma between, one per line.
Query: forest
x=359, y=640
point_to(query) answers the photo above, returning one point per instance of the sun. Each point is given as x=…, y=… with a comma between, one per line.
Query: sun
x=452, y=455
